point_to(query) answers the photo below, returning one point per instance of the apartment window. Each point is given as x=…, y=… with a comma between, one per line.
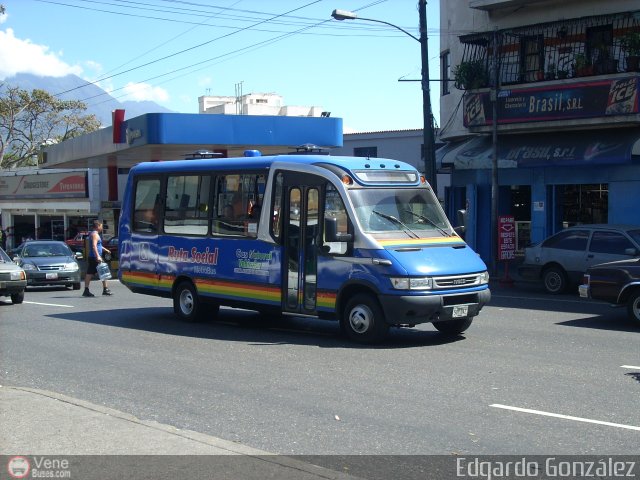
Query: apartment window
x=532, y=58
x=445, y=75
x=368, y=152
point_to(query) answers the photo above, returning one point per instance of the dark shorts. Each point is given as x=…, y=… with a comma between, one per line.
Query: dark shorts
x=92, y=265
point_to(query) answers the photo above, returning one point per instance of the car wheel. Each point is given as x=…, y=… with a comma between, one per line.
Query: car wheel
x=633, y=306
x=363, y=320
x=453, y=327
x=555, y=280
x=17, y=297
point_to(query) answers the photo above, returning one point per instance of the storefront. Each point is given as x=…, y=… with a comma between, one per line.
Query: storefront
x=546, y=181
x=45, y=204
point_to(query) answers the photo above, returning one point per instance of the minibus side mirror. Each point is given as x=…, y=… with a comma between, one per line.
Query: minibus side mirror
x=331, y=232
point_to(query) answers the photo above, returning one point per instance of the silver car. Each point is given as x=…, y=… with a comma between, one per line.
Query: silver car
x=48, y=262
x=13, y=280
x=562, y=259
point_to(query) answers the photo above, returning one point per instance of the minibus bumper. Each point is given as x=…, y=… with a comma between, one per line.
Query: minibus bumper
x=411, y=310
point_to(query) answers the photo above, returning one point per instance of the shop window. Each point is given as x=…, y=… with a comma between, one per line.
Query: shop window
x=610, y=242
x=582, y=204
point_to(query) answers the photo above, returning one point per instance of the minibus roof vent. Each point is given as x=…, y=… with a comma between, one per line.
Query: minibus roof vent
x=202, y=154
x=309, y=148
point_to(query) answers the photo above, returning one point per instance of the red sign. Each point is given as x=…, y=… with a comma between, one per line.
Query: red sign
x=506, y=237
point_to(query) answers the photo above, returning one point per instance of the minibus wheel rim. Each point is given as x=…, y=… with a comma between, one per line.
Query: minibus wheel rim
x=186, y=302
x=360, y=318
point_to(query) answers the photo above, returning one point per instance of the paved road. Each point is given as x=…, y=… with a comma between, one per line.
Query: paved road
x=535, y=374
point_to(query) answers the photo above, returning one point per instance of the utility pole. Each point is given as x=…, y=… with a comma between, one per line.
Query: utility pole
x=428, y=140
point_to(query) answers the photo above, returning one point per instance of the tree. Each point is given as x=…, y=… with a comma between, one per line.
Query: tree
x=29, y=120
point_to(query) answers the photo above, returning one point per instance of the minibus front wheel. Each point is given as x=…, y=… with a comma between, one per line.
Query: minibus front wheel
x=363, y=319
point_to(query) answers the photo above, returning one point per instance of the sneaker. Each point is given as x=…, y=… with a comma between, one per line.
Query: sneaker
x=87, y=293
x=106, y=291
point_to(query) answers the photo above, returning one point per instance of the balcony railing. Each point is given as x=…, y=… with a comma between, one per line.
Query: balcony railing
x=586, y=46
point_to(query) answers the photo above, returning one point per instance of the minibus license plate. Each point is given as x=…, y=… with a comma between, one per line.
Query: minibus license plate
x=460, y=311
x=52, y=276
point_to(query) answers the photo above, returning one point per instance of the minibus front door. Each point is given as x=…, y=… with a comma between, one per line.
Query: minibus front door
x=301, y=239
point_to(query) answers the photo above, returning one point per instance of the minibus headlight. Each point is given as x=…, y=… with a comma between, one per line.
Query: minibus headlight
x=406, y=283
x=484, y=278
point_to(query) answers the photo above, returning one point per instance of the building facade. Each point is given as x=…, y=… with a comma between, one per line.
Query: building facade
x=255, y=104
x=540, y=109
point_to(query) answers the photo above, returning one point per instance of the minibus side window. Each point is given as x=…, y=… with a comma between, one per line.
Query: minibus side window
x=238, y=201
x=335, y=210
x=146, y=211
x=187, y=204
x=277, y=207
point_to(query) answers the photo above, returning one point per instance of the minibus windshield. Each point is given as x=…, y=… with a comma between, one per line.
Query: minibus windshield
x=411, y=210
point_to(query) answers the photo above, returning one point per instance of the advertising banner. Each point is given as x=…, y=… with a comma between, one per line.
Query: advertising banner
x=44, y=185
x=600, y=98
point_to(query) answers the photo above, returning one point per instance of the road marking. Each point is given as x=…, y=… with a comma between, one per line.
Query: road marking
x=565, y=417
x=50, y=304
x=632, y=367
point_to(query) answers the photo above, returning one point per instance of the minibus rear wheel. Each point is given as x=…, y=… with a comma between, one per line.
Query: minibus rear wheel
x=186, y=304
x=363, y=319
x=453, y=327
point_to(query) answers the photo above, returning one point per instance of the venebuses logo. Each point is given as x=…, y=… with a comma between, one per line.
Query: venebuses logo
x=18, y=467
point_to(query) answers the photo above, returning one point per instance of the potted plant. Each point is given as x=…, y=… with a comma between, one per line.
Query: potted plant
x=562, y=73
x=582, y=65
x=604, y=63
x=630, y=43
x=471, y=75
x=551, y=71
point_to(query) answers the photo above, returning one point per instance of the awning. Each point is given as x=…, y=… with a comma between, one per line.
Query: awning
x=587, y=147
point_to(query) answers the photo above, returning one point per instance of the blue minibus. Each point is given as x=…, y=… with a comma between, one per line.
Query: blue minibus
x=360, y=240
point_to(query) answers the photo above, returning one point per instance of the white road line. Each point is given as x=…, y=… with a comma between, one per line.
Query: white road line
x=50, y=304
x=566, y=417
x=632, y=367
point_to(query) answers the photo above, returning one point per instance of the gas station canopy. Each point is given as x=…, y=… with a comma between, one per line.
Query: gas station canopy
x=173, y=136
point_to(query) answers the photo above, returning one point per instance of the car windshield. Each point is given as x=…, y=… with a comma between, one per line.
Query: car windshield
x=635, y=234
x=413, y=211
x=46, y=250
x=4, y=258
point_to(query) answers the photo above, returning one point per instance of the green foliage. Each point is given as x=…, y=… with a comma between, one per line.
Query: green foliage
x=29, y=120
x=630, y=43
x=471, y=75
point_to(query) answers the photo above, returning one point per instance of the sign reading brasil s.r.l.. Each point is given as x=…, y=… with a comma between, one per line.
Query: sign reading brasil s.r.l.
x=607, y=97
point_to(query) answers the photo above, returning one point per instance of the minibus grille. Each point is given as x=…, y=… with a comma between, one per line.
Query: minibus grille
x=457, y=281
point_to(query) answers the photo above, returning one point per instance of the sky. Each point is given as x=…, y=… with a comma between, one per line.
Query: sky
x=174, y=51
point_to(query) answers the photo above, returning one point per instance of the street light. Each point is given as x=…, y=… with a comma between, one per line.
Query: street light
x=428, y=140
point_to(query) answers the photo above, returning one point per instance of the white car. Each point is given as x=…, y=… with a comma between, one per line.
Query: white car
x=563, y=258
x=13, y=280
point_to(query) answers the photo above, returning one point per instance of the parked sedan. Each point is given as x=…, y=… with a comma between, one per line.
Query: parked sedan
x=563, y=258
x=49, y=262
x=13, y=280
x=615, y=282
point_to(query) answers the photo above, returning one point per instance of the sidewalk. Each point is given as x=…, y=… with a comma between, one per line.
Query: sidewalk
x=40, y=423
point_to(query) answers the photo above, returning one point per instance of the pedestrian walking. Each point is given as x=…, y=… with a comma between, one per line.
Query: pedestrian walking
x=95, y=257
